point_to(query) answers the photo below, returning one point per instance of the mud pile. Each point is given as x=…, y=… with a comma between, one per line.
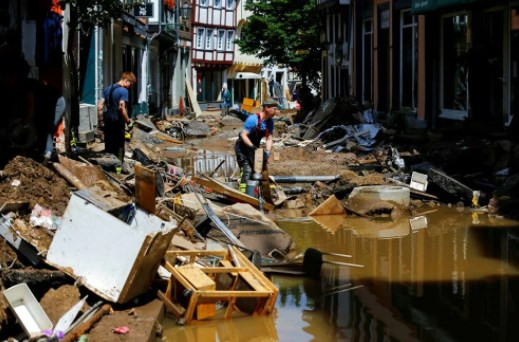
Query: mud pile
x=25, y=180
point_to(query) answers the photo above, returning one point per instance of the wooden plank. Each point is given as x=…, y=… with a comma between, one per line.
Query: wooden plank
x=229, y=269
x=192, y=98
x=265, y=187
x=253, y=282
x=332, y=206
x=269, y=306
x=191, y=307
x=205, y=310
x=230, y=308
x=230, y=192
x=258, y=160
x=171, y=307
x=145, y=191
x=230, y=294
x=197, y=253
x=228, y=264
x=197, y=278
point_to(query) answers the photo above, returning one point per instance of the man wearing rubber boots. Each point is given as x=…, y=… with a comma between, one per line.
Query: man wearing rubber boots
x=256, y=127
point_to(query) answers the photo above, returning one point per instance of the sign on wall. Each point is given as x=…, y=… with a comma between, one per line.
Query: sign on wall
x=143, y=10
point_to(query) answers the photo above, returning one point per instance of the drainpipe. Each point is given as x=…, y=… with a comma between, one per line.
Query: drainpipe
x=149, y=40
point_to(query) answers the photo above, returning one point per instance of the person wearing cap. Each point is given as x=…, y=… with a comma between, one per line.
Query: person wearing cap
x=256, y=127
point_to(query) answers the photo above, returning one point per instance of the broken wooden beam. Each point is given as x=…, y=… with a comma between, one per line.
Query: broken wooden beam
x=233, y=194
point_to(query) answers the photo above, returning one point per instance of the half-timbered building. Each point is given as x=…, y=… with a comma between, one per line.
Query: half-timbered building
x=214, y=30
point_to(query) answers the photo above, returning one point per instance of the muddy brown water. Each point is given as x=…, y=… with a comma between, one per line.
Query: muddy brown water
x=457, y=279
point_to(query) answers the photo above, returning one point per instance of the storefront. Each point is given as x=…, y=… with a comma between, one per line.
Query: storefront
x=477, y=58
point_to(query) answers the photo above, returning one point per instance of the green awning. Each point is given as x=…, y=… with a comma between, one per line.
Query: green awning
x=424, y=6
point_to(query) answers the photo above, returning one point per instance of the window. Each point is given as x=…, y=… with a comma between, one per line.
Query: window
x=230, y=41
x=200, y=33
x=203, y=2
x=408, y=59
x=209, y=39
x=367, y=58
x=221, y=38
x=230, y=4
x=454, y=68
x=217, y=3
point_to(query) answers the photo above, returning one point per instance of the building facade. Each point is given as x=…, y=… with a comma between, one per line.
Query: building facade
x=435, y=63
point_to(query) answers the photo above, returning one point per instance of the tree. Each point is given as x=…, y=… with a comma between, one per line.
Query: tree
x=284, y=32
x=83, y=16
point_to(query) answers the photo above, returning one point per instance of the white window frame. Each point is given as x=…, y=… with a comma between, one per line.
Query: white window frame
x=365, y=33
x=232, y=4
x=200, y=37
x=209, y=39
x=446, y=112
x=414, y=27
x=229, y=40
x=220, y=45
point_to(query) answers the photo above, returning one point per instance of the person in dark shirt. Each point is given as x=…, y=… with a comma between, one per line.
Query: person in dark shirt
x=115, y=115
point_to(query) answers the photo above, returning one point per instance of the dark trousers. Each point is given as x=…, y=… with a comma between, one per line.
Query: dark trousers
x=245, y=159
x=114, y=138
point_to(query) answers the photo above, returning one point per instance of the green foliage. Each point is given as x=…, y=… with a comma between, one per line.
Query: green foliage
x=284, y=32
x=86, y=14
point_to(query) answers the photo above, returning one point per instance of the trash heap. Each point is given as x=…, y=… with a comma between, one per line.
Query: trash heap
x=94, y=245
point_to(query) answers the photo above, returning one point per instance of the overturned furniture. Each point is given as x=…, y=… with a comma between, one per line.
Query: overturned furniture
x=193, y=290
x=115, y=250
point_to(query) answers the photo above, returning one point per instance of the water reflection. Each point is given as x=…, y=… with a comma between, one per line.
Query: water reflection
x=456, y=279
x=261, y=328
x=450, y=281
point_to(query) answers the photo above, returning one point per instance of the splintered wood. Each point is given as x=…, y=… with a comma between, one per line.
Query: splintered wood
x=193, y=290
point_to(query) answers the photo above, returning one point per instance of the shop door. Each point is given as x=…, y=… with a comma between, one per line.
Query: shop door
x=454, y=93
x=485, y=70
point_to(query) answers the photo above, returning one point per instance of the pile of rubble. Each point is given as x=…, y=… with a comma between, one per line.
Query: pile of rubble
x=87, y=245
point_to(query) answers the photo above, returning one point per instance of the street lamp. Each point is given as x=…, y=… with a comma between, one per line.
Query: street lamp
x=185, y=11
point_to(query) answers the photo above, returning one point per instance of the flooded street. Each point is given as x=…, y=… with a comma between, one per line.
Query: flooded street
x=456, y=279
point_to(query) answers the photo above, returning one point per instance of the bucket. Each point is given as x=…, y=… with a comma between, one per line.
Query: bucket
x=251, y=188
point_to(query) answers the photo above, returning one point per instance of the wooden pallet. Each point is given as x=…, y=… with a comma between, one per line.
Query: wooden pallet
x=193, y=291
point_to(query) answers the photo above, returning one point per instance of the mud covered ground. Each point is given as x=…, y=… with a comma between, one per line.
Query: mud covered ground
x=37, y=185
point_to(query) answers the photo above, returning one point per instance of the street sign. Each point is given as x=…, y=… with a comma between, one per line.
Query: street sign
x=143, y=10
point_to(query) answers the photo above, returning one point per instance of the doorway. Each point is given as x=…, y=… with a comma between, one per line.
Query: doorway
x=485, y=69
x=454, y=95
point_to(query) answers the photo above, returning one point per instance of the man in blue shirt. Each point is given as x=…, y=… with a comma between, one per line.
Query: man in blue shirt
x=115, y=97
x=256, y=127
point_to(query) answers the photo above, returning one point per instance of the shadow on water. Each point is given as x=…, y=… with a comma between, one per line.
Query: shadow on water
x=456, y=278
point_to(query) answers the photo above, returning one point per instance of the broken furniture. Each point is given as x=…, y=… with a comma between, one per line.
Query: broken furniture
x=193, y=290
x=115, y=259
